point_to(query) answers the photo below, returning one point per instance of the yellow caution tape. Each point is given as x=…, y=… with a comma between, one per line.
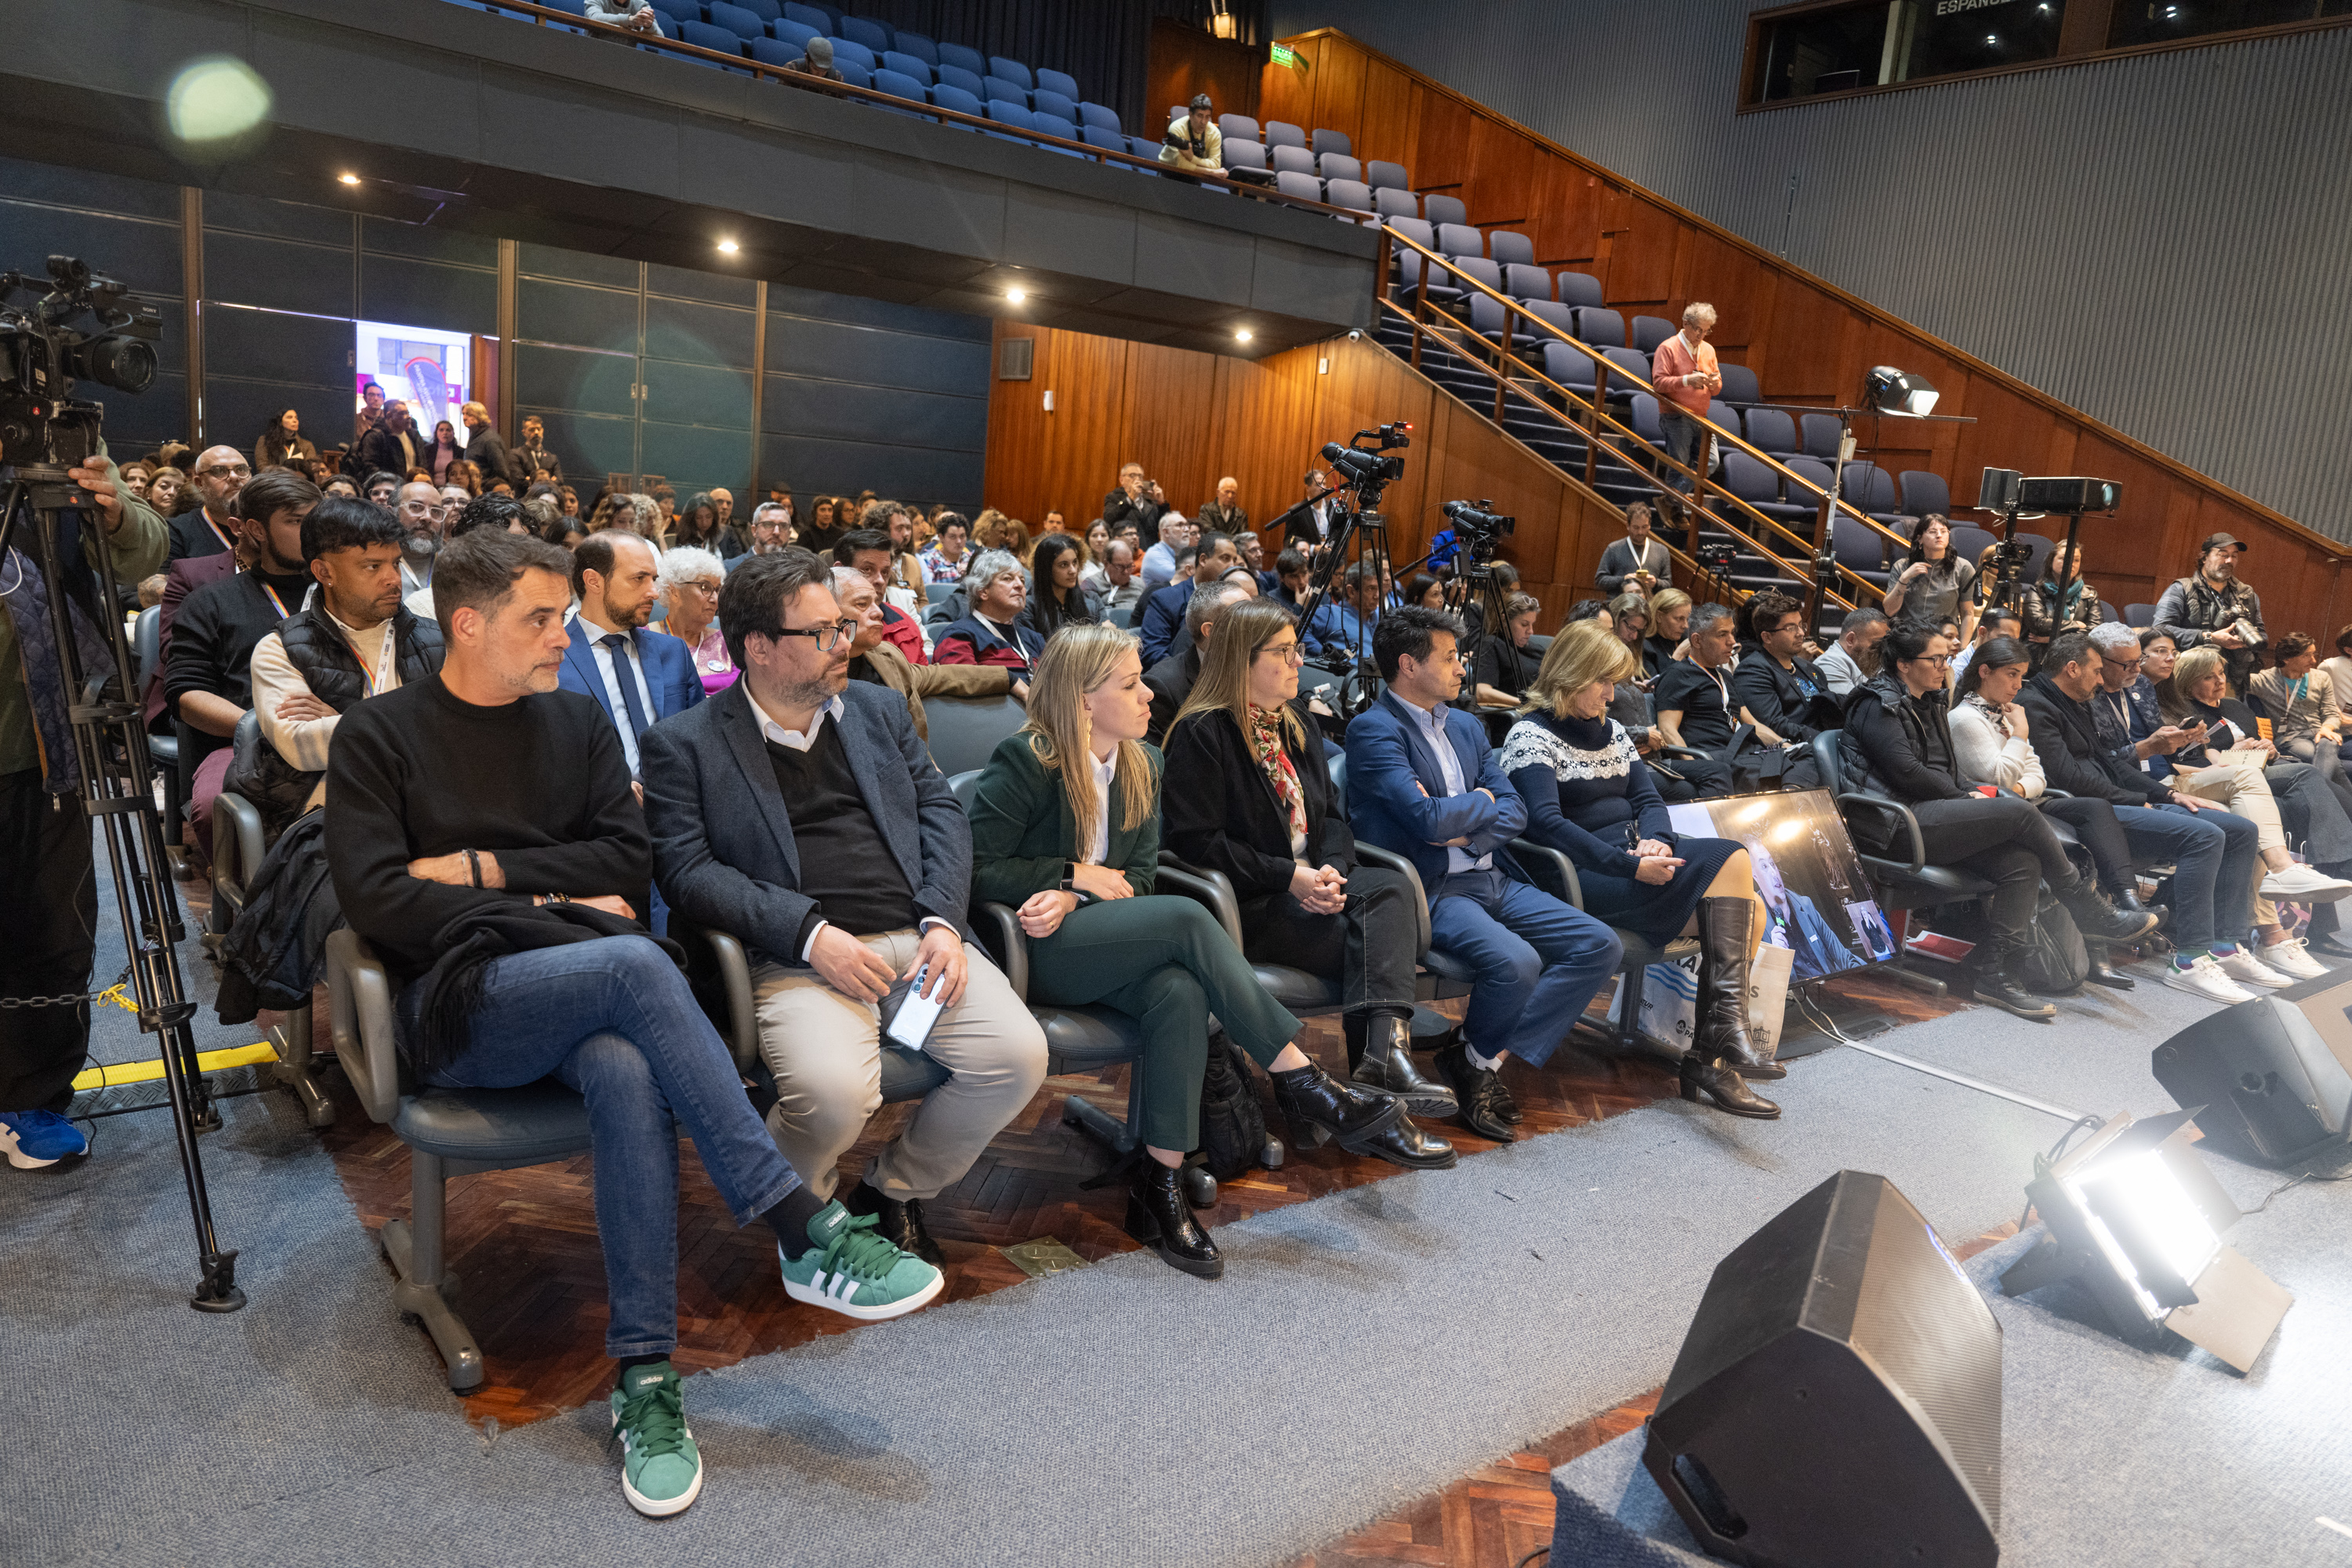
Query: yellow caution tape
x=147, y=1072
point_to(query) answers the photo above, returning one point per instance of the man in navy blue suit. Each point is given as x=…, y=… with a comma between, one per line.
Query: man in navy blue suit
x=1423, y=784
x=1161, y=626
x=638, y=676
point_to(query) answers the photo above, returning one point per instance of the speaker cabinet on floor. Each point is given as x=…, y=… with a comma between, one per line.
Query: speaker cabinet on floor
x=1838, y=1397
x=2274, y=1074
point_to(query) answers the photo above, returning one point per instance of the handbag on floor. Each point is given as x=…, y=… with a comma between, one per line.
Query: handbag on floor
x=1233, y=1123
x=2053, y=961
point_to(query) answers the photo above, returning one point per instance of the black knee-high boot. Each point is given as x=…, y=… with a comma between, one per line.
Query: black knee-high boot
x=1724, y=927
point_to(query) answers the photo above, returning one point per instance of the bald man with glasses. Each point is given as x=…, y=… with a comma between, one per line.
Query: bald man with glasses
x=219, y=477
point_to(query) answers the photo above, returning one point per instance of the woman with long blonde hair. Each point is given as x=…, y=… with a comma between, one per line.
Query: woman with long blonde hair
x=1251, y=797
x=1591, y=797
x=1066, y=828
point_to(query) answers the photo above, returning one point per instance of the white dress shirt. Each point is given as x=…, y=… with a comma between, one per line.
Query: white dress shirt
x=1432, y=725
x=581, y=626
x=1106, y=772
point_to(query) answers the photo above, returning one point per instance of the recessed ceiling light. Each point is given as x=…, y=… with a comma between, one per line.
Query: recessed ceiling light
x=1244, y=335
x=1017, y=296
x=350, y=179
x=728, y=247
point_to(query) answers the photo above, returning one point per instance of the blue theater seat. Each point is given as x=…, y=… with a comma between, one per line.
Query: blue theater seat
x=877, y=37
x=1436, y=208
x=1099, y=115
x=1332, y=142
x=1061, y=106
x=1513, y=249
x=921, y=48
x=1011, y=70
x=1058, y=81
x=1383, y=176
x=907, y=65
x=1282, y=134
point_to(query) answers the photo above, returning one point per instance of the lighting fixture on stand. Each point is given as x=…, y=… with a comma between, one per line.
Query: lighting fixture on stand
x=1221, y=22
x=2136, y=1217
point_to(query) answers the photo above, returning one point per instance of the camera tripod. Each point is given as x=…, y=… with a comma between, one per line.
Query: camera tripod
x=110, y=743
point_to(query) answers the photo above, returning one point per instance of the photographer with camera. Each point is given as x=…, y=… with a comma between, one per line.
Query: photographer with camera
x=47, y=928
x=1193, y=144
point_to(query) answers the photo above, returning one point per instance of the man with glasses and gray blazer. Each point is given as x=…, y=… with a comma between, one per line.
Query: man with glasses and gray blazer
x=798, y=811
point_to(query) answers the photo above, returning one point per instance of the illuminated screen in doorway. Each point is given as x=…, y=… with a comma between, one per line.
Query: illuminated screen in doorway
x=428, y=370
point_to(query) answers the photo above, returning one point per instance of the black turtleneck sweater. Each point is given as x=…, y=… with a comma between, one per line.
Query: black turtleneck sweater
x=215, y=634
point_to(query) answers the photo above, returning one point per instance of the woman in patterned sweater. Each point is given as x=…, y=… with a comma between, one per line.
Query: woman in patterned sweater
x=1591, y=797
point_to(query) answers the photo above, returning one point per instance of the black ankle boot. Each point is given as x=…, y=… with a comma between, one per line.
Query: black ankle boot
x=1387, y=1065
x=2098, y=919
x=1157, y=1216
x=1721, y=1086
x=1994, y=987
x=1722, y=1034
x=1322, y=1110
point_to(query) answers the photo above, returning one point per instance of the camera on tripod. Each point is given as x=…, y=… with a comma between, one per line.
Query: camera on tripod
x=1478, y=531
x=41, y=423
x=1368, y=469
x=1716, y=557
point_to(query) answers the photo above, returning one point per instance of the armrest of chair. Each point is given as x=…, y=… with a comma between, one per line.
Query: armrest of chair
x=1554, y=871
x=1213, y=888
x=1910, y=823
x=358, y=1008
x=2049, y=794
x=1688, y=754
x=735, y=980
x=237, y=846
x=998, y=929
x=1373, y=855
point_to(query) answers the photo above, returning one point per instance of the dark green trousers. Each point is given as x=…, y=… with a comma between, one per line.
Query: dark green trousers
x=1166, y=963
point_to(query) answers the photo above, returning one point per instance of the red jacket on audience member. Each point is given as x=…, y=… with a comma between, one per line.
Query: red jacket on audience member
x=975, y=639
x=899, y=629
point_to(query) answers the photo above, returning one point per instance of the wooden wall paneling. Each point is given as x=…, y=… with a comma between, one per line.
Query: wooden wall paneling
x=1566, y=224
x=1287, y=93
x=1267, y=407
x=1441, y=150
x=1587, y=526
x=1039, y=462
x=1504, y=176
x=2010, y=432
x=1340, y=94
x=1481, y=463
x=1369, y=386
x=1166, y=395
x=1642, y=259
x=1391, y=103
x=1807, y=331
x=1730, y=280
x=1186, y=60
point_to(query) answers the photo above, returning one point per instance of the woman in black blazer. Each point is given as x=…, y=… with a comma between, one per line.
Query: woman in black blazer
x=1248, y=793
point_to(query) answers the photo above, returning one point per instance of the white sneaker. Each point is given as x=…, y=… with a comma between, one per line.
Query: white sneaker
x=2244, y=968
x=2292, y=956
x=2204, y=978
x=2303, y=884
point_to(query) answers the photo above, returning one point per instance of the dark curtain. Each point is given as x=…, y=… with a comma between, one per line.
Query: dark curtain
x=1105, y=44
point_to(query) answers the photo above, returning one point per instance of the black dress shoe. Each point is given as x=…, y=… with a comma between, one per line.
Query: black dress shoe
x=1323, y=1110
x=1476, y=1088
x=901, y=1224
x=1722, y=1088
x=1506, y=1104
x=1994, y=988
x=1159, y=1216
x=1386, y=1065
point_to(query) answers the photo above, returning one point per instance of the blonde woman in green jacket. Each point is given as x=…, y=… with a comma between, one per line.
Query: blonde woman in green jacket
x=1066, y=828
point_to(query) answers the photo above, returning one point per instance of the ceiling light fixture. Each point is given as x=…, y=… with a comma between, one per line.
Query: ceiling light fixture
x=1242, y=336
x=350, y=179
x=728, y=247
x=1017, y=296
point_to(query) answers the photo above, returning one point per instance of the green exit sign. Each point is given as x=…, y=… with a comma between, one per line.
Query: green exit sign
x=1283, y=57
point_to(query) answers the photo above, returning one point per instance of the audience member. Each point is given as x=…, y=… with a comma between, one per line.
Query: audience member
x=772, y=530
x=1314, y=520
x=1637, y=563
x=1251, y=797
x=1225, y=514
x=1695, y=704
x=845, y=867
x=637, y=15
x=368, y=414
x=638, y=678
x=1423, y=784
x=1348, y=618
x=281, y=444
x=135, y=475
x=994, y=631
x=1058, y=600
x=1853, y=660
x=903, y=583
x=1506, y=664
x=1293, y=579
x=687, y=584
x=532, y=458
x=1170, y=681
x=1776, y=688
x=2061, y=601
x=211, y=528
x=1932, y=583
x=391, y=445
x=1193, y=142
x=442, y=454
x=944, y=561
x=353, y=640
x=383, y=489
x=2306, y=711
x=2228, y=761
x=425, y=513
x=1685, y=374
x=1163, y=612
x=2213, y=606
x=489, y=846
x=1996, y=622
x=1160, y=564
x=1897, y=743
x=875, y=659
x=2339, y=676
x=208, y=675
x=1097, y=541
x=1121, y=590
x=867, y=550
x=1589, y=795
x=1136, y=499
x=1066, y=828
x=1670, y=614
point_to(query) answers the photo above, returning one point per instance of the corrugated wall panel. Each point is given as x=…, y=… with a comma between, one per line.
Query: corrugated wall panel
x=2163, y=242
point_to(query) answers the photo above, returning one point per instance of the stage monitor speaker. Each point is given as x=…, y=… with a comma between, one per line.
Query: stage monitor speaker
x=2274, y=1074
x=1838, y=1397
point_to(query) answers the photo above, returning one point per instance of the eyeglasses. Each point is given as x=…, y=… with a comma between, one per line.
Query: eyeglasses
x=235, y=471
x=1289, y=653
x=825, y=636
x=2119, y=663
x=709, y=588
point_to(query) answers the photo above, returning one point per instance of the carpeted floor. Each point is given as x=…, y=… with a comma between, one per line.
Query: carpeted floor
x=1321, y=1383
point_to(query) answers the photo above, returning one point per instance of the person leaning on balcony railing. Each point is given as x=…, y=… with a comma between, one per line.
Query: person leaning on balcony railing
x=637, y=15
x=1193, y=144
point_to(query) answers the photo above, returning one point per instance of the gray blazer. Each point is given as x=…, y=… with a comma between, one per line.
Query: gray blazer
x=723, y=849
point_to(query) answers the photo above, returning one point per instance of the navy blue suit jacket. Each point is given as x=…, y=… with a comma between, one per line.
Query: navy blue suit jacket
x=1160, y=627
x=670, y=678
x=1388, y=755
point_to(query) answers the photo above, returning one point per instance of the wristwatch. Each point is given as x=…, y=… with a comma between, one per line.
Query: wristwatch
x=1069, y=877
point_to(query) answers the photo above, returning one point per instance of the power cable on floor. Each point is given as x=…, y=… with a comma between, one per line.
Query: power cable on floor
x=2307, y=1176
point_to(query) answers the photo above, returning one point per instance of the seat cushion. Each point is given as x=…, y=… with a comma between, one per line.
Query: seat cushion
x=525, y=1126
x=1640, y=953
x=1295, y=988
x=1082, y=1039
x=1901, y=887
x=910, y=1075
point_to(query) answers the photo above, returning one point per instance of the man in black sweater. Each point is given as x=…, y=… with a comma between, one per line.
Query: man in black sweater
x=1783, y=694
x=486, y=839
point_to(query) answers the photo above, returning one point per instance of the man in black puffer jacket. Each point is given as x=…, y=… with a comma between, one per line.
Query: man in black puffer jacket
x=1897, y=743
x=353, y=639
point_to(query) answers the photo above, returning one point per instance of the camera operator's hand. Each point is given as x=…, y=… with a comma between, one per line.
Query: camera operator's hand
x=91, y=476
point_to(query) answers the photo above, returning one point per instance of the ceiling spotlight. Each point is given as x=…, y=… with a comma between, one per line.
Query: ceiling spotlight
x=1017, y=296
x=1890, y=391
x=216, y=98
x=1990, y=39
x=1241, y=336
x=349, y=179
x=728, y=247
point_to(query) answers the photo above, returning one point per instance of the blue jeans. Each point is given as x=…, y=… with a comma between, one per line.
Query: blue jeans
x=1537, y=961
x=613, y=1019
x=1683, y=434
x=2213, y=855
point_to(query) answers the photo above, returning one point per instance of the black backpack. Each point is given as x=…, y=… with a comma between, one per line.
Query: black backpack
x=2053, y=961
x=1233, y=1123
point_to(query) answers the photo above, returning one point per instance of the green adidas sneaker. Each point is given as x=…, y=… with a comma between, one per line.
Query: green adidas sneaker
x=855, y=1272
x=661, y=1469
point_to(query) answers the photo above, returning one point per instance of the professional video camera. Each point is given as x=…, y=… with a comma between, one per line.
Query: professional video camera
x=1368, y=471
x=1478, y=531
x=1714, y=557
x=41, y=423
